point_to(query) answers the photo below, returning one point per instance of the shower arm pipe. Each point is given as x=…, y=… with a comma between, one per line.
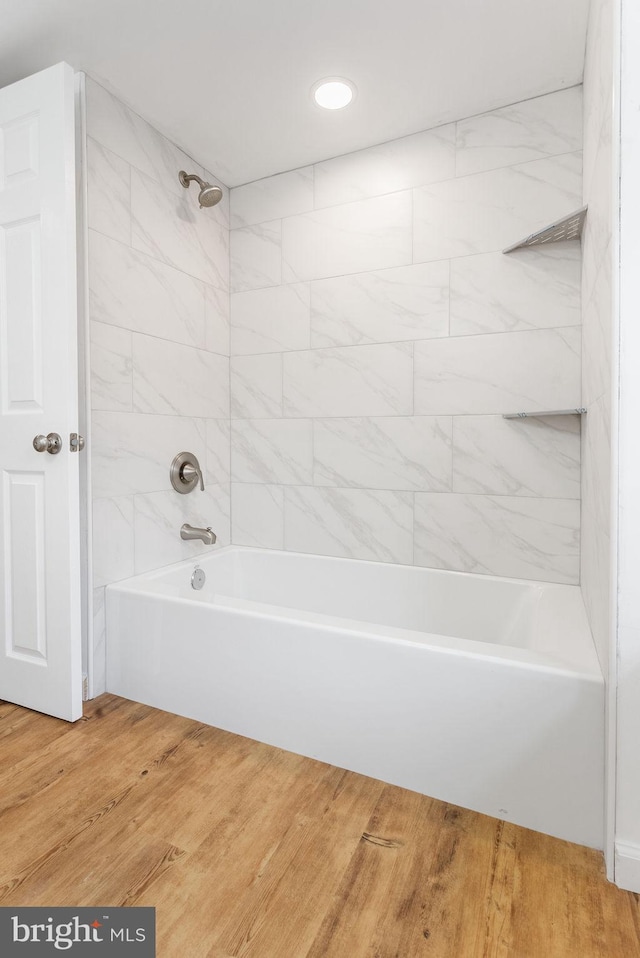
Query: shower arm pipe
x=186, y=178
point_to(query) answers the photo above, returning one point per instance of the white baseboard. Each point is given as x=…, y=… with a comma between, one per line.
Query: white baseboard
x=627, y=867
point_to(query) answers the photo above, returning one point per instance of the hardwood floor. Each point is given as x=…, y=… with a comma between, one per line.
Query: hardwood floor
x=247, y=851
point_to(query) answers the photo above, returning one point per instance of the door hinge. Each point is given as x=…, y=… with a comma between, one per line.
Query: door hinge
x=76, y=442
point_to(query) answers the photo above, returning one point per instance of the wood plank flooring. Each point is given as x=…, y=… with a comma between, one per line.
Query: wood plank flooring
x=247, y=851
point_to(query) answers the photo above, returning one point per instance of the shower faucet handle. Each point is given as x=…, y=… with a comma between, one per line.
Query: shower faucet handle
x=193, y=473
x=185, y=473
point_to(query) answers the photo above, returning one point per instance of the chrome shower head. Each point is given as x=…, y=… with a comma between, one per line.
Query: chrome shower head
x=209, y=195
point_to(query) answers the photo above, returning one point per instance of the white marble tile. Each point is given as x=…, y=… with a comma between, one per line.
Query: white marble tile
x=111, y=368
x=597, y=336
x=256, y=386
x=598, y=327
x=595, y=549
x=270, y=320
x=489, y=211
x=425, y=157
x=255, y=259
x=598, y=85
x=596, y=592
x=108, y=192
x=119, y=128
x=599, y=194
x=159, y=516
x=384, y=306
x=217, y=320
x=384, y=453
x=590, y=263
x=370, y=234
x=172, y=229
x=598, y=227
x=257, y=515
x=498, y=373
x=272, y=198
x=349, y=381
x=132, y=453
x=596, y=466
x=598, y=331
x=517, y=457
x=113, y=540
x=171, y=379
x=137, y=292
x=218, y=450
x=499, y=535
x=592, y=260
x=354, y=523
x=593, y=131
x=99, y=639
x=533, y=288
x=530, y=130
x=272, y=450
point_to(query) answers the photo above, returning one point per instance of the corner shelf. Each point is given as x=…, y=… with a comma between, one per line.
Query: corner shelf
x=568, y=228
x=578, y=411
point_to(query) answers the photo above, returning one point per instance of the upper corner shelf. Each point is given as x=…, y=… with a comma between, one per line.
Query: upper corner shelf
x=568, y=228
x=576, y=411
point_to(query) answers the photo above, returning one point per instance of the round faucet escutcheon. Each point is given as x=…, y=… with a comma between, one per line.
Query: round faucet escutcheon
x=185, y=473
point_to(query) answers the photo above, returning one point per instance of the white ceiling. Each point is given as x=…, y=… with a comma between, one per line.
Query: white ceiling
x=229, y=81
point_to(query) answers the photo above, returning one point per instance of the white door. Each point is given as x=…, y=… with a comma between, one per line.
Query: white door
x=40, y=640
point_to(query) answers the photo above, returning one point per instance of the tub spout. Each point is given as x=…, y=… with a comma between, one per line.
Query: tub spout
x=192, y=532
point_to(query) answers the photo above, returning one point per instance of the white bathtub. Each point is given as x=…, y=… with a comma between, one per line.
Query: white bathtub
x=480, y=691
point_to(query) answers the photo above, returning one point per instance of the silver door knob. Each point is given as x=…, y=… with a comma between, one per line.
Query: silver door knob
x=51, y=443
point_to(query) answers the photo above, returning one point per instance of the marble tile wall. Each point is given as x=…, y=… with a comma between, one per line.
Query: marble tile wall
x=597, y=299
x=159, y=318
x=377, y=334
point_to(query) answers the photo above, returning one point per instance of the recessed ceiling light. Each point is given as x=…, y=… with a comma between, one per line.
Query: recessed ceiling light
x=333, y=93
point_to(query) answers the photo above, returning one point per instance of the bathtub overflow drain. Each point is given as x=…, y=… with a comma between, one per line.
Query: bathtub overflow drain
x=198, y=578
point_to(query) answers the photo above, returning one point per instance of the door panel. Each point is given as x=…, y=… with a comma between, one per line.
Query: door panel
x=21, y=316
x=24, y=521
x=40, y=650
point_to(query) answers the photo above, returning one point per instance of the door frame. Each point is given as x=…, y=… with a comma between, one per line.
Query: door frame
x=84, y=387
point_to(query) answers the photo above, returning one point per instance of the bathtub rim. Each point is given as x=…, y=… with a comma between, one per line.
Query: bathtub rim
x=430, y=641
x=215, y=551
